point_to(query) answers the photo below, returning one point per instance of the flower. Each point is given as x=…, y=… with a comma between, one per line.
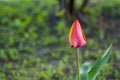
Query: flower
x=76, y=35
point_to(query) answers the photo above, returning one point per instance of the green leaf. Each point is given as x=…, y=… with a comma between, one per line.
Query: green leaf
x=88, y=72
x=84, y=69
x=98, y=65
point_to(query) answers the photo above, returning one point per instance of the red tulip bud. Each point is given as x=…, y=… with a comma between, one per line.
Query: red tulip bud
x=76, y=35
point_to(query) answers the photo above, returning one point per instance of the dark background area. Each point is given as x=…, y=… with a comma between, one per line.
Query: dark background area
x=34, y=38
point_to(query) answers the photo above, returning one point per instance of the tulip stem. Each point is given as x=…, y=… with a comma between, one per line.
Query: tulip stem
x=77, y=62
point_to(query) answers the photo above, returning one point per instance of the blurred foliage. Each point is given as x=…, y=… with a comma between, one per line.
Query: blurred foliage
x=33, y=41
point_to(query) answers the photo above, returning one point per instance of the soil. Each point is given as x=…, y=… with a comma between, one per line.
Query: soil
x=112, y=28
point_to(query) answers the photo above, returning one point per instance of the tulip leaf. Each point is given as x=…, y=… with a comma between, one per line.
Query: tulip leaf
x=84, y=69
x=89, y=72
x=98, y=65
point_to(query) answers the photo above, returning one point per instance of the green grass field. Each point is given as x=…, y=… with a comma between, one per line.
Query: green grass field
x=34, y=42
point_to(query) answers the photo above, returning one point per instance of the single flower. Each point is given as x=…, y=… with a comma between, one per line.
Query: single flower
x=76, y=35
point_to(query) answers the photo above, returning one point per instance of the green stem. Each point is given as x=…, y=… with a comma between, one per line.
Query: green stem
x=78, y=65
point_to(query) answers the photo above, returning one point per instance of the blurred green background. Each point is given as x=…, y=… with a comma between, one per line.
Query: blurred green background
x=34, y=38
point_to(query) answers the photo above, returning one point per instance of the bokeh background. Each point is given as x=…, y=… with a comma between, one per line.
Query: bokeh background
x=34, y=38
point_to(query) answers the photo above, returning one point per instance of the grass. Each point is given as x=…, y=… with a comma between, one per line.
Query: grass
x=34, y=46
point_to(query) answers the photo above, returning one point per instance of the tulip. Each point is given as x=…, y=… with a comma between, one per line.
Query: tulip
x=77, y=39
x=76, y=35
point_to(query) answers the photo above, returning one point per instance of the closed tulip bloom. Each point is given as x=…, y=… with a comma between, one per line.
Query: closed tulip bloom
x=76, y=35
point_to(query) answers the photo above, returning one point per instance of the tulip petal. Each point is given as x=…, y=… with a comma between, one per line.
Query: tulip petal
x=76, y=36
